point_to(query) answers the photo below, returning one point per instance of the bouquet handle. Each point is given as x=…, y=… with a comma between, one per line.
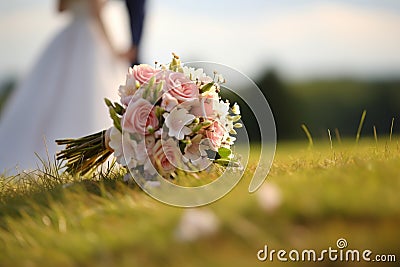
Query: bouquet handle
x=85, y=154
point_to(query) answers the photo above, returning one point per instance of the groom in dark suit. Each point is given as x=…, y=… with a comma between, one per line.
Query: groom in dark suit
x=136, y=18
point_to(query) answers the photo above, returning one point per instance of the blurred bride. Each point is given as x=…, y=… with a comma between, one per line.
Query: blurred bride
x=63, y=94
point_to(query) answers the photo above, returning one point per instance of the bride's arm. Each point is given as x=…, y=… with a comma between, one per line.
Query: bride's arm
x=62, y=5
x=96, y=6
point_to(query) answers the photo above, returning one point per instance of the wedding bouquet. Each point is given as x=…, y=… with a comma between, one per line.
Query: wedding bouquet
x=169, y=119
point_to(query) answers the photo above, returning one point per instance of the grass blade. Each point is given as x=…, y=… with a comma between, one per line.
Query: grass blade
x=391, y=130
x=337, y=133
x=308, y=134
x=361, y=125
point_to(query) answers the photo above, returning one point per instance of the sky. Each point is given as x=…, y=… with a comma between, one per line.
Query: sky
x=301, y=38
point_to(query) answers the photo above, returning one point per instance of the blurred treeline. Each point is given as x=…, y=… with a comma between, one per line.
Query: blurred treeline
x=320, y=104
x=327, y=104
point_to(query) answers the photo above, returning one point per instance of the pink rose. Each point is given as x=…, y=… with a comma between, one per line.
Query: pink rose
x=166, y=155
x=143, y=73
x=204, y=107
x=181, y=87
x=215, y=133
x=139, y=116
x=168, y=102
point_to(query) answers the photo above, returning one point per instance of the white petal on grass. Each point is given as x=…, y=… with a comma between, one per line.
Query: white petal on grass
x=269, y=197
x=195, y=224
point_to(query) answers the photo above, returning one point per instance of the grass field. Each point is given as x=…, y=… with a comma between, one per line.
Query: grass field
x=312, y=197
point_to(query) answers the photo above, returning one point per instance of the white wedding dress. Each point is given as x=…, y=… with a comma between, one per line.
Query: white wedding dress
x=63, y=95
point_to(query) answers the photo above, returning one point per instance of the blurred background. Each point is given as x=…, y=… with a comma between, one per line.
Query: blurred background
x=318, y=62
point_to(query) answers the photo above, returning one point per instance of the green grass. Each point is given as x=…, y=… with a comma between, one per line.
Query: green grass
x=350, y=190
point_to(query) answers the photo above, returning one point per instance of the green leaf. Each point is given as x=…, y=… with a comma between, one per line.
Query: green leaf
x=116, y=119
x=235, y=118
x=108, y=102
x=151, y=82
x=223, y=162
x=207, y=123
x=227, y=162
x=224, y=152
x=119, y=109
x=175, y=65
x=207, y=87
x=182, y=146
x=197, y=128
x=146, y=93
x=157, y=91
x=159, y=112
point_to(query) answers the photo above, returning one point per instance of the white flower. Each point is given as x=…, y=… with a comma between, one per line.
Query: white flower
x=197, y=75
x=196, y=149
x=221, y=109
x=159, y=133
x=143, y=151
x=193, y=74
x=236, y=109
x=115, y=141
x=176, y=122
x=229, y=140
x=130, y=153
x=220, y=78
x=124, y=148
x=130, y=87
x=212, y=93
x=202, y=163
x=206, y=80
